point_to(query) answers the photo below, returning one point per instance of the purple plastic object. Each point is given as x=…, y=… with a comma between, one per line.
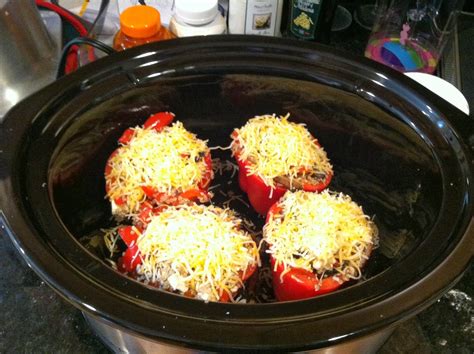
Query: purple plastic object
x=390, y=58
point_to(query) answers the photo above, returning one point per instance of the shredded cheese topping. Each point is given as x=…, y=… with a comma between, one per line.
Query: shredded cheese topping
x=276, y=147
x=196, y=250
x=320, y=232
x=168, y=161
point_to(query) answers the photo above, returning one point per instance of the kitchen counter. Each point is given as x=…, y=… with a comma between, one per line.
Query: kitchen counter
x=36, y=319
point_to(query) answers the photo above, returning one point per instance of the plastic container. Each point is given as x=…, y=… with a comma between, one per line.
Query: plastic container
x=140, y=25
x=197, y=18
x=409, y=35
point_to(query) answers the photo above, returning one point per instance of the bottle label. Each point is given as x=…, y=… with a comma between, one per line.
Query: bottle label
x=261, y=17
x=304, y=18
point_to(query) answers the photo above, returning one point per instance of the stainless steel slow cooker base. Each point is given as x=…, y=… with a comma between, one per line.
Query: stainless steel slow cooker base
x=120, y=340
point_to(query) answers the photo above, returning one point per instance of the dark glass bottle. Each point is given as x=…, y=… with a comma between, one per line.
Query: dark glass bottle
x=311, y=20
x=284, y=18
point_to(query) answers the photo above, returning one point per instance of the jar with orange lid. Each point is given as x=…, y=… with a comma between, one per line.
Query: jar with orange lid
x=139, y=25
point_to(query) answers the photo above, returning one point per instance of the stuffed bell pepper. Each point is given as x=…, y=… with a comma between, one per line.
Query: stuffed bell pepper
x=194, y=250
x=275, y=155
x=316, y=242
x=157, y=164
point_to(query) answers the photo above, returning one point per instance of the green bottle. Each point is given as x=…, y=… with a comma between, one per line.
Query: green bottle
x=311, y=20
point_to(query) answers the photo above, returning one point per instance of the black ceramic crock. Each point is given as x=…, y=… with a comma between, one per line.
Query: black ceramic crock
x=400, y=151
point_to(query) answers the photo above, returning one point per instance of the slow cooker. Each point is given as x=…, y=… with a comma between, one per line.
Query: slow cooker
x=401, y=152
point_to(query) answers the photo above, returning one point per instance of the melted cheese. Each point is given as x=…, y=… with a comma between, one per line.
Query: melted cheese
x=276, y=147
x=164, y=160
x=320, y=232
x=196, y=250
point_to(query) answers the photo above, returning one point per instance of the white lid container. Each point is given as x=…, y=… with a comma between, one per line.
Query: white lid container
x=196, y=12
x=197, y=18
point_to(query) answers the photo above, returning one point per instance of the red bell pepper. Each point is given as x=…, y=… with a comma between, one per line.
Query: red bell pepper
x=261, y=195
x=297, y=283
x=129, y=234
x=131, y=257
x=157, y=122
x=126, y=136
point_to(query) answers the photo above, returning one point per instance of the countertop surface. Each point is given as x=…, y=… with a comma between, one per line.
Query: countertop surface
x=35, y=319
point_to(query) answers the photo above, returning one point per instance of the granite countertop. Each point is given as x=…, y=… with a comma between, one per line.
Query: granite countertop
x=36, y=319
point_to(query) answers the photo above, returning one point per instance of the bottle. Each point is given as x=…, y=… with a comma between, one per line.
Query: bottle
x=311, y=20
x=197, y=18
x=139, y=25
x=262, y=17
x=284, y=18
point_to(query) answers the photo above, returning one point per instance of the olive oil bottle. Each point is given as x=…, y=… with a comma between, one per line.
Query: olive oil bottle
x=311, y=20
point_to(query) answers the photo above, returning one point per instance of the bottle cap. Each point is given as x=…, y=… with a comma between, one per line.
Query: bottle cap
x=140, y=21
x=196, y=12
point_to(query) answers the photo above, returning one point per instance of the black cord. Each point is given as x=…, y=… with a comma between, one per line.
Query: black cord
x=77, y=41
